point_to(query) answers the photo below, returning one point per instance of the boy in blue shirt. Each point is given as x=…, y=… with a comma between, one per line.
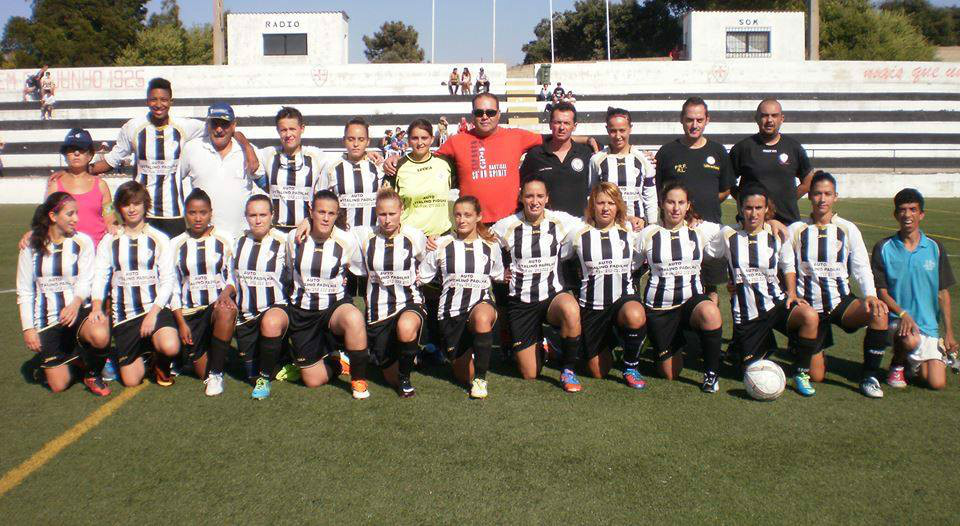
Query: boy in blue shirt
x=913, y=273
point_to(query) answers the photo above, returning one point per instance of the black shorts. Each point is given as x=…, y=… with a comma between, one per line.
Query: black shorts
x=526, y=321
x=382, y=336
x=201, y=328
x=599, y=327
x=248, y=334
x=356, y=286
x=714, y=272
x=171, y=226
x=835, y=317
x=666, y=327
x=130, y=345
x=310, y=333
x=457, y=338
x=571, y=275
x=753, y=338
x=60, y=345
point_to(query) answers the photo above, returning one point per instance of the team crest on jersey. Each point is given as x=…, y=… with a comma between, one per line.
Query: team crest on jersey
x=711, y=160
x=929, y=265
x=577, y=164
x=784, y=158
x=680, y=168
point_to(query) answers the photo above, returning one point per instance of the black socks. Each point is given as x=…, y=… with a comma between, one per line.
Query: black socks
x=571, y=351
x=482, y=346
x=269, y=351
x=710, y=343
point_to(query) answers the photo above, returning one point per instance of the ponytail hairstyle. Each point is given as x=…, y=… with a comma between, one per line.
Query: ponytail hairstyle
x=386, y=193
x=750, y=191
x=41, y=223
x=677, y=185
x=533, y=178
x=612, y=191
x=482, y=230
x=329, y=195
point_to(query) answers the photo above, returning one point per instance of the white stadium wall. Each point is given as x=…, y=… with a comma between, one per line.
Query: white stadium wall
x=326, y=37
x=251, y=81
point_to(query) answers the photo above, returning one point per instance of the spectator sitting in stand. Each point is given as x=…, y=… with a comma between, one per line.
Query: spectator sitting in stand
x=442, y=129
x=558, y=91
x=463, y=127
x=386, y=140
x=46, y=106
x=554, y=100
x=31, y=87
x=453, y=82
x=544, y=93
x=568, y=97
x=466, y=82
x=483, y=83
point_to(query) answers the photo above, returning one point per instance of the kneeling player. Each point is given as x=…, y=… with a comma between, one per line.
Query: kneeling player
x=136, y=266
x=391, y=254
x=606, y=248
x=206, y=315
x=54, y=277
x=258, y=265
x=533, y=238
x=466, y=260
x=913, y=274
x=321, y=312
x=828, y=249
x=755, y=254
x=674, y=296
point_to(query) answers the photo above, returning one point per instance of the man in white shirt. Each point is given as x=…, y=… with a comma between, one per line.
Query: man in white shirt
x=217, y=165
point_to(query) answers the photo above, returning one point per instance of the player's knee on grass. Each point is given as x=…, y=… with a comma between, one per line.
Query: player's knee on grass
x=58, y=378
x=316, y=375
x=934, y=373
x=528, y=363
x=818, y=367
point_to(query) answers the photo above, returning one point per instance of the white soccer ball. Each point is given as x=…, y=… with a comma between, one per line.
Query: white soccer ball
x=764, y=380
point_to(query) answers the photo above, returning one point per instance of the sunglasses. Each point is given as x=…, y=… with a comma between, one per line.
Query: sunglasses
x=488, y=113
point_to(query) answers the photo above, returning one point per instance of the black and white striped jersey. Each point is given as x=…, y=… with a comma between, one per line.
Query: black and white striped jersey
x=466, y=268
x=675, y=257
x=392, y=264
x=826, y=256
x=607, y=260
x=258, y=273
x=319, y=269
x=534, y=251
x=634, y=175
x=753, y=261
x=203, y=268
x=49, y=280
x=136, y=270
x=157, y=154
x=291, y=180
x=357, y=185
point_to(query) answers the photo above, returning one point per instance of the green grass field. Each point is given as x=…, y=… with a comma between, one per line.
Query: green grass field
x=528, y=454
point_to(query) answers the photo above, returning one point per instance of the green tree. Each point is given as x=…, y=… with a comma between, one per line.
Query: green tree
x=936, y=23
x=165, y=42
x=70, y=33
x=198, y=45
x=395, y=42
x=855, y=30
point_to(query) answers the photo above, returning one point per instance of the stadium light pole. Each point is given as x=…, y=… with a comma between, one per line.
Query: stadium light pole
x=552, y=58
x=433, y=30
x=218, y=32
x=607, y=2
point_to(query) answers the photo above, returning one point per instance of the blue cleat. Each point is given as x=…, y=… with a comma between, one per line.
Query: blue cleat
x=803, y=384
x=571, y=383
x=261, y=390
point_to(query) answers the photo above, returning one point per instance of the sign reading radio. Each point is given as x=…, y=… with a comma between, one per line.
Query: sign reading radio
x=284, y=24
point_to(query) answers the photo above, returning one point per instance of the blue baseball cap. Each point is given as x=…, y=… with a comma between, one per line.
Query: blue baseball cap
x=220, y=111
x=77, y=138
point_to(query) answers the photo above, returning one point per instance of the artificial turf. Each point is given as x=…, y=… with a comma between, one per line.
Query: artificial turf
x=528, y=454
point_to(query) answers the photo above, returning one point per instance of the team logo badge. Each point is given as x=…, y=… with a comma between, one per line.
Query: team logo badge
x=319, y=76
x=577, y=165
x=929, y=265
x=711, y=160
x=784, y=158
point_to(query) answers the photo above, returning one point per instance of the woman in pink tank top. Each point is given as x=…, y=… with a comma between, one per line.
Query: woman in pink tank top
x=94, y=211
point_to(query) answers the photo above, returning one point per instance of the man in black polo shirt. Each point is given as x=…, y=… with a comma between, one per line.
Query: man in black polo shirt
x=563, y=163
x=775, y=161
x=704, y=167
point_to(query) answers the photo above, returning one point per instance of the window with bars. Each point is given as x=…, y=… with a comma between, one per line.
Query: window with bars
x=285, y=44
x=748, y=44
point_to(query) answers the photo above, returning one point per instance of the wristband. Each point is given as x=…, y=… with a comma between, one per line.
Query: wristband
x=902, y=314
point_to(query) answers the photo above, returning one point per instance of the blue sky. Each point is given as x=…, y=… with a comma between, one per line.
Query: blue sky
x=463, y=26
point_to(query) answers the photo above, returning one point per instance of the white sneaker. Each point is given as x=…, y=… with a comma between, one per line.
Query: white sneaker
x=214, y=383
x=870, y=387
x=479, y=388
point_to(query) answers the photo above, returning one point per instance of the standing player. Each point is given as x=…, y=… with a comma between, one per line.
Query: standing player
x=135, y=266
x=913, y=274
x=423, y=182
x=533, y=239
x=392, y=253
x=258, y=269
x=205, y=311
x=606, y=248
x=774, y=161
x=54, y=277
x=627, y=167
x=674, y=296
x=321, y=312
x=289, y=173
x=828, y=250
x=356, y=178
x=755, y=256
x=704, y=167
x=466, y=261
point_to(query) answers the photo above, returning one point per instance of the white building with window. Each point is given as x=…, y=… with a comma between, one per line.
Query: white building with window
x=317, y=37
x=718, y=36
